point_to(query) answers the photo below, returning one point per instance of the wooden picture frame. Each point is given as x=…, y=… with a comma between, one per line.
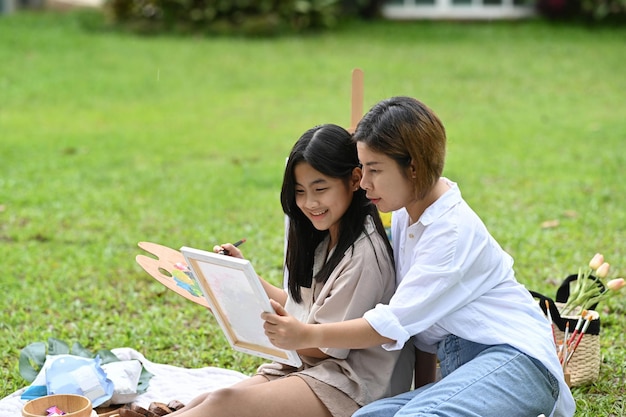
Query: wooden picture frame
x=237, y=299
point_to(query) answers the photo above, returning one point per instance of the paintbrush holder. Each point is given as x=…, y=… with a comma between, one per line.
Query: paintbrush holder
x=584, y=365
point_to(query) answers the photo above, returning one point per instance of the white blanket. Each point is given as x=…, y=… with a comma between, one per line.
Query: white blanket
x=168, y=383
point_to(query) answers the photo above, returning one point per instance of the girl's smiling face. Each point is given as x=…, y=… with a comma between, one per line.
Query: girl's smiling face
x=323, y=199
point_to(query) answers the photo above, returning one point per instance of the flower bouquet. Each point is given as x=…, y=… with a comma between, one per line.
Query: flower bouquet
x=589, y=290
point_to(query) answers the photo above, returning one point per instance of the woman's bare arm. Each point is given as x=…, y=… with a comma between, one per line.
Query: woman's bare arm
x=286, y=332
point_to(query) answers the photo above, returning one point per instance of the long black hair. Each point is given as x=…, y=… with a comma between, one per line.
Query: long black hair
x=330, y=150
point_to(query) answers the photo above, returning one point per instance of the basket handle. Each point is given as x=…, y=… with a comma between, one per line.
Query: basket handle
x=554, y=311
x=561, y=322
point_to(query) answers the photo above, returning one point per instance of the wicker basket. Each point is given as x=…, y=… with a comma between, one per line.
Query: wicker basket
x=73, y=405
x=584, y=366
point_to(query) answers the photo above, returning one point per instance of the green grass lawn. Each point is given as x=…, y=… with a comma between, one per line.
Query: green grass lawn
x=108, y=139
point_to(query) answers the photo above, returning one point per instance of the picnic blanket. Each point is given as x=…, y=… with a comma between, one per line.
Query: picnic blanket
x=168, y=383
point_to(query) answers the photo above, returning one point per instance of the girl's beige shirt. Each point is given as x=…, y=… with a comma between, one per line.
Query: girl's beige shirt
x=363, y=278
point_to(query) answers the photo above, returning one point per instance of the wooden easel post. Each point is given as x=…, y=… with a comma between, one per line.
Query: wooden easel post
x=355, y=116
x=357, y=99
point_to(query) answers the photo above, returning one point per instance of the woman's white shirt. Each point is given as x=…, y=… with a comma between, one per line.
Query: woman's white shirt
x=454, y=278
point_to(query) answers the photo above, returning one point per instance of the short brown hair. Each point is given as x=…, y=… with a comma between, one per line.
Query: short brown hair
x=410, y=133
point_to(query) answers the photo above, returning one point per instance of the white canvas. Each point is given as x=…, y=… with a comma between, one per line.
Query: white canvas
x=237, y=299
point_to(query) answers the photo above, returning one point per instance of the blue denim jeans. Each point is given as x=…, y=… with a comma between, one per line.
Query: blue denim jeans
x=477, y=381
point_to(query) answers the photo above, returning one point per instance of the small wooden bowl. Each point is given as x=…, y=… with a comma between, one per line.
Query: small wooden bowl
x=73, y=405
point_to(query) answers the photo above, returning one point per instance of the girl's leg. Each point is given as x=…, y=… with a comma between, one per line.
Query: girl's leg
x=254, y=380
x=499, y=381
x=289, y=396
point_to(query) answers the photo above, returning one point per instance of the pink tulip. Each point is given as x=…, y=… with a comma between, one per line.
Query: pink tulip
x=615, y=284
x=603, y=270
x=596, y=261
